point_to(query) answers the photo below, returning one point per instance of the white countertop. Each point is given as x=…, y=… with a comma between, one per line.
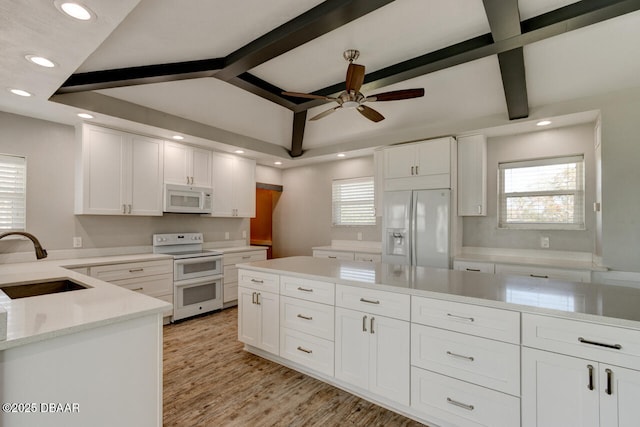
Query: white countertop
x=47, y=316
x=234, y=249
x=614, y=305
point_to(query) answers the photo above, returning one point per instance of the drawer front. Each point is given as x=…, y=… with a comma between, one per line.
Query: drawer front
x=545, y=273
x=460, y=403
x=373, y=301
x=154, y=286
x=481, y=361
x=308, y=317
x=486, y=322
x=480, y=267
x=312, y=352
x=347, y=256
x=230, y=274
x=259, y=280
x=130, y=270
x=230, y=292
x=582, y=339
x=248, y=256
x=362, y=256
x=310, y=290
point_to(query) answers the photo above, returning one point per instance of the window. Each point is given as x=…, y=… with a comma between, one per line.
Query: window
x=353, y=201
x=13, y=185
x=542, y=194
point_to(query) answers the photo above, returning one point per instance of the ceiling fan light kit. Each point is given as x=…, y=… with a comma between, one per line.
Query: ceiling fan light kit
x=352, y=98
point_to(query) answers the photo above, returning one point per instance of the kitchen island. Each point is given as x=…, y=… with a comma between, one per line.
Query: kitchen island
x=90, y=356
x=450, y=348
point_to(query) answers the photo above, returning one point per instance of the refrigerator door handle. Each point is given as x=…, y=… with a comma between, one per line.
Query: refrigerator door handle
x=412, y=229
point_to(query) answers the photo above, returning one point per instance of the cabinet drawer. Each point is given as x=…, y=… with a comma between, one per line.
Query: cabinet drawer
x=460, y=403
x=347, y=256
x=311, y=290
x=308, y=317
x=362, y=256
x=482, y=267
x=259, y=280
x=493, y=323
x=312, y=352
x=154, y=286
x=248, y=256
x=480, y=361
x=582, y=339
x=373, y=301
x=130, y=270
x=230, y=274
x=545, y=273
x=230, y=292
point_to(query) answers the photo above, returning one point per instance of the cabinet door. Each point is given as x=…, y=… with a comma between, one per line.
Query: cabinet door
x=389, y=358
x=399, y=162
x=146, y=176
x=200, y=169
x=352, y=347
x=434, y=157
x=222, y=184
x=269, y=321
x=558, y=390
x=619, y=396
x=177, y=159
x=244, y=187
x=248, y=317
x=472, y=175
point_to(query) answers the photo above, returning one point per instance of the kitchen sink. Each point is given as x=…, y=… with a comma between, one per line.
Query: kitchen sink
x=20, y=290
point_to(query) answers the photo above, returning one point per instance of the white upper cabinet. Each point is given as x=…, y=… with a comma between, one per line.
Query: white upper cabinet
x=421, y=165
x=118, y=173
x=234, y=186
x=187, y=165
x=472, y=175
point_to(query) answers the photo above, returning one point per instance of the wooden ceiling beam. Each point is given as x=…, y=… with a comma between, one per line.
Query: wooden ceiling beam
x=299, y=122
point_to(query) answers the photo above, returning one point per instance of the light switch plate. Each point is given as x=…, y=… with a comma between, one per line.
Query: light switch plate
x=544, y=242
x=77, y=242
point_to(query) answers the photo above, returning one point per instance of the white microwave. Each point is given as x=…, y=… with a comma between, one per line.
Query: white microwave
x=187, y=199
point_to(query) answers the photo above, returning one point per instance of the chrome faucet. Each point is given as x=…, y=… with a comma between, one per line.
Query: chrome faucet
x=40, y=252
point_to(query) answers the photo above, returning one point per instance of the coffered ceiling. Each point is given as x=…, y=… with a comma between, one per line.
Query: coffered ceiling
x=214, y=70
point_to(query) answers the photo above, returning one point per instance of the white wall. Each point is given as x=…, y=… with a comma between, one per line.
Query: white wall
x=484, y=231
x=268, y=175
x=49, y=148
x=302, y=217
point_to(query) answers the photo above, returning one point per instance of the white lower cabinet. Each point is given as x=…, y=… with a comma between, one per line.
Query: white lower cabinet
x=230, y=284
x=372, y=353
x=258, y=319
x=308, y=350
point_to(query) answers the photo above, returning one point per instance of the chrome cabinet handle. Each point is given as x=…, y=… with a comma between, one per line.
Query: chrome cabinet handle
x=590, y=368
x=137, y=289
x=136, y=270
x=124, y=209
x=305, y=350
x=257, y=281
x=479, y=209
x=258, y=298
x=129, y=208
x=302, y=316
x=332, y=256
x=253, y=297
x=461, y=356
x=411, y=170
x=609, y=389
x=246, y=257
x=460, y=404
x=473, y=269
x=470, y=319
x=364, y=323
x=613, y=346
x=539, y=276
x=368, y=301
x=416, y=170
x=371, y=325
x=300, y=288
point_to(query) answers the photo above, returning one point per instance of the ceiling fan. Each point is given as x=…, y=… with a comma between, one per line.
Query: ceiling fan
x=353, y=98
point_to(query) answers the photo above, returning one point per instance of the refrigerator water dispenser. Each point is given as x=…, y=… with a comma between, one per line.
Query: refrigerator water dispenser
x=397, y=242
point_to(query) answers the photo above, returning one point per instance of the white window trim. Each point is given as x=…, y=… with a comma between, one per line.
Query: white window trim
x=578, y=193
x=370, y=200
x=21, y=196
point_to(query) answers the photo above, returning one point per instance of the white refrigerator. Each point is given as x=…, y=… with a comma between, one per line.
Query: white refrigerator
x=416, y=227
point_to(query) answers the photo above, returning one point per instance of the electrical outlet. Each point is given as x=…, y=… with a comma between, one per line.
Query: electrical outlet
x=77, y=242
x=226, y=235
x=244, y=234
x=359, y=235
x=544, y=242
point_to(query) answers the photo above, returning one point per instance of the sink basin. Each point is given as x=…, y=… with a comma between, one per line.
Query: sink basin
x=41, y=288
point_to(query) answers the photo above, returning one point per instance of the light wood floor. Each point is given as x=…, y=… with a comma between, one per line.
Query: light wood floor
x=210, y=381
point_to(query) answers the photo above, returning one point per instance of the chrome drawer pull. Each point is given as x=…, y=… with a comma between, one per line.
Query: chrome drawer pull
x=371, y=325
x=369, y=301
x=137, y=289
x=136, y=270
x=614, y=346
x=539, y=276
x=304, y=350
x=470, y=319
x=473, y=269
x=469, y=358
x=257, y=281
x=460, y=404
x=364, y=323
x=246, y=257
x=302, y=316
x=609, y=389
x=590, y=368
x=332, y=257
x=304, y=289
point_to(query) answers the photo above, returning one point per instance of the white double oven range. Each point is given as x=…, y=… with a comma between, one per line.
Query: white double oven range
x=197, y=273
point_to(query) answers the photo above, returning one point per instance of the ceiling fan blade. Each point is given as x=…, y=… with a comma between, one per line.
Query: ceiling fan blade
x=396, y=95
x=307, y=95
x=355, y=77
x=325, y=113
x=370, y=113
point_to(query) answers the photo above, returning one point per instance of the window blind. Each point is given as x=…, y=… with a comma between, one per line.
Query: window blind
x=13, y=185
x=353, y=201
x=542, y=194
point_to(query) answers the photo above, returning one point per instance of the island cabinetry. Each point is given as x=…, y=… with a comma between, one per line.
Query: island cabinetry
x=372, y=341
x=579, y=374
x=307, y=323
x=478, y=267
x=186, y=165
x=258, y=310
x=230, y=287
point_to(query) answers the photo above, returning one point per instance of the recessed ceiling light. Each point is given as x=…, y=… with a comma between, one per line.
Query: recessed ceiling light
x=178, y=137
x=341, y=155
x=40, y=60
x=543, y=123
x=239, y=152
x=85, y=115
x=19, y=92
x=75, y=10
x=277, y=163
